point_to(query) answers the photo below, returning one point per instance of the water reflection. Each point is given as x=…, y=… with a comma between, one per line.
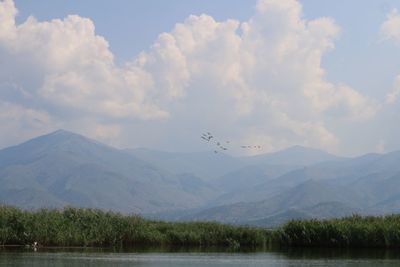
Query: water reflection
x=173, y=256
x=344, y=253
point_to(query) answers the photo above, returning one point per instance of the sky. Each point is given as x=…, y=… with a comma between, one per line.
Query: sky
x=158, y=74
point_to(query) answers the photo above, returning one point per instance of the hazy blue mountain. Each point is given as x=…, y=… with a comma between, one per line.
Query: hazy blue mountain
x=384, y=189
x=298, y=198
x=248, y=184
x=237, y=179
x=323, y=210
x=293, y=156
x=279, y=218
x=249, y=176
x=63, y=168
x=370, y=183
x=313, y=192
x=256, y=181
x=207, y=165
x=222, y=167
x=343, y=172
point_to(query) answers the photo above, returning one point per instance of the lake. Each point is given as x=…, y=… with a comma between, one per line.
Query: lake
x=194, y=258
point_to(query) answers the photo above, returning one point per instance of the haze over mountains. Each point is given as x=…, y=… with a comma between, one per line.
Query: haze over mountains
x=64, y=168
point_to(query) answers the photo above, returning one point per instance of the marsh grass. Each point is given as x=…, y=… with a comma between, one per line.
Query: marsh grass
x=354, y=231
x=92, y=227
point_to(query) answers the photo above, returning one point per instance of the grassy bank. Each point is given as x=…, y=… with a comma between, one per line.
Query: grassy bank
x=90, y=227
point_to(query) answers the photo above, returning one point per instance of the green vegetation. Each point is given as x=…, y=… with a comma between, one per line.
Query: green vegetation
x=91, y=227
x=354, y=231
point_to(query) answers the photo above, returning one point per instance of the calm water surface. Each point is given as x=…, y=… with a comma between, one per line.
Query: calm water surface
x=167, y=258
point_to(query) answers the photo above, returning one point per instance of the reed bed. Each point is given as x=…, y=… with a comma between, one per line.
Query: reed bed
x=354, y=231
x=92, y=227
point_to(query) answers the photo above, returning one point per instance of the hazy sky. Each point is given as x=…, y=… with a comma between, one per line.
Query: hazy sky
x=157, y=74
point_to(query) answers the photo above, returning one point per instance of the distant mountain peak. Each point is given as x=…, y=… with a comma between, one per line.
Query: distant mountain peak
x=62, y=136
x=302, y=149
x=65, y=168
x=58, y=140
x=63, y=133
x=295, y=155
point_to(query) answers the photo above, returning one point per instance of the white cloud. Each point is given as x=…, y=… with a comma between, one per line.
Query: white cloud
x=390, y=29
x=395, y=93
x=64, y=63
x=380, y=147
x=7, y=18
x=19, y=123
x=256, y=79
x=268, y=69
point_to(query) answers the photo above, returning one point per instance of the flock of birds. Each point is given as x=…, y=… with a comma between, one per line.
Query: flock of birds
x=223, y=145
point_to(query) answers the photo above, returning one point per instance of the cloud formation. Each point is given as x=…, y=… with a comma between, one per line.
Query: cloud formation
x=256, y=81
x=63, y=64
x=390, y=30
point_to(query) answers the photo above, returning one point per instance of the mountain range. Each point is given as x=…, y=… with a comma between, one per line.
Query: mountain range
x=63, y=168
x=67, y=169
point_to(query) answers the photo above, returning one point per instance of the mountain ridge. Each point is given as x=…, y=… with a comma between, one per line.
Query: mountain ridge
x=64, y=168
x=63, y=164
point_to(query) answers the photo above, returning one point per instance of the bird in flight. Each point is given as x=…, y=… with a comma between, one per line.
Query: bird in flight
x=209, y=138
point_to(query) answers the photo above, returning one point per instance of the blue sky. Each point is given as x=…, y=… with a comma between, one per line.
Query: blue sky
x=343, y=89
